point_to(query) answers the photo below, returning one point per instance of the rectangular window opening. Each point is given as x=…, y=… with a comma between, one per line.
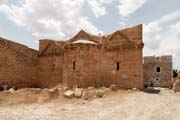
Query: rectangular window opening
x=158, y=69
x=117, y=66
x=74, y=65
x=53, y=67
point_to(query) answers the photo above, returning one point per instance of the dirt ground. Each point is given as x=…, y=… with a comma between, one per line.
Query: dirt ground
x=120, y=105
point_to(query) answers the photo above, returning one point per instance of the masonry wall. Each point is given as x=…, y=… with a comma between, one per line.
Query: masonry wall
x=104, y=60
x=94, y=63
x=98, y=67
x=159, y=79
x=50, y=69
x=18, y=64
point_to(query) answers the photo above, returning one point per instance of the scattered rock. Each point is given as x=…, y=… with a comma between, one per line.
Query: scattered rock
x=135, y=89
x=91, y=88
x=5, y=87
x=69, y=94
x=176, y=86
x=36, y=90
x=11, y=90
x=58, y=86
x=53, y=93
x=151, y=90
x=42, y=99
x=85, y=95
x=78, y=92
x=113, y=88
x=66, y=88
x=88, y=94
x=14, y=87
x=99, y=93
x=74, y=87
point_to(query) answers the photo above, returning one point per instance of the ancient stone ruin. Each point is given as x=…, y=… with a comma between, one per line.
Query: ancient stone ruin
x=89, y=60
x=158, y=71
x=84, y=60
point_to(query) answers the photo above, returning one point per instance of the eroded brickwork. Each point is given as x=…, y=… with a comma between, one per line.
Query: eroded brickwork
x=158, y=70
x=18, y=64
x=110, y=59
x=84, y=60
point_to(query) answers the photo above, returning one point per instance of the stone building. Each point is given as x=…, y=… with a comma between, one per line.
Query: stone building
x=89, y=60
x=158, y=70
x=84, y=60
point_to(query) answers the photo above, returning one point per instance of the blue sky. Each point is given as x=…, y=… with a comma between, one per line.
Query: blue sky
x=27, y=21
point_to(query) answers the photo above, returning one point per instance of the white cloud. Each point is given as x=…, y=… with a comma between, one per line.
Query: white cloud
x=53, y=19
x=161, y=40
x=98, y=7
x=127, y=7
x=151, y=35
x=176, y=29
x=169, y=17
x=3, y=1
x=122, y=23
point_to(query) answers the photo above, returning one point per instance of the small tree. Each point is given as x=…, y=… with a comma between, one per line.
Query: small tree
x=175, y=73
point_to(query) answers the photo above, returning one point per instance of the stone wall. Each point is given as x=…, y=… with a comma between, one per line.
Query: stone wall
x=101, y=61
x=98, y=67
x=18, y=64
x=50, y=70
x=96, y=64
x=93, y=63
x=158, y=70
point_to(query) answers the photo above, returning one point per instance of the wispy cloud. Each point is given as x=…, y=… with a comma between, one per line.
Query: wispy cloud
x=169, y=17
x=127, y=7
x=98, y=7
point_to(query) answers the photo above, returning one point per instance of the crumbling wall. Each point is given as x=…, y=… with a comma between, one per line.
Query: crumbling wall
x=161, y=77
x=18, y=64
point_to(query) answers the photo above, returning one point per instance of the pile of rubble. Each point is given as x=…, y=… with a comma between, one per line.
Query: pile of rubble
x=176, y=86
x=40, y=95
x=88, y=93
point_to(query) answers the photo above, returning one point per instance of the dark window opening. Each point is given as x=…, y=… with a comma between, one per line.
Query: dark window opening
x=117, y=66
x=74, y=65
x=158, y=69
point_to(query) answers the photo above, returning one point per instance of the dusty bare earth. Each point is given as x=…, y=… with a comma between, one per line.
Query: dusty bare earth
x=120, y=105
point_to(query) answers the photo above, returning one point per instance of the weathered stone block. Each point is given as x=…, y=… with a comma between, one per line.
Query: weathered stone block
x=113, y=88
x=68, y=94
x=176, y=86
x=53, y=93
x=100, y=93
x=78, y=92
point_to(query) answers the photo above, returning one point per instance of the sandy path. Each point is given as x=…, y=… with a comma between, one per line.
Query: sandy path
x=132, y=106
